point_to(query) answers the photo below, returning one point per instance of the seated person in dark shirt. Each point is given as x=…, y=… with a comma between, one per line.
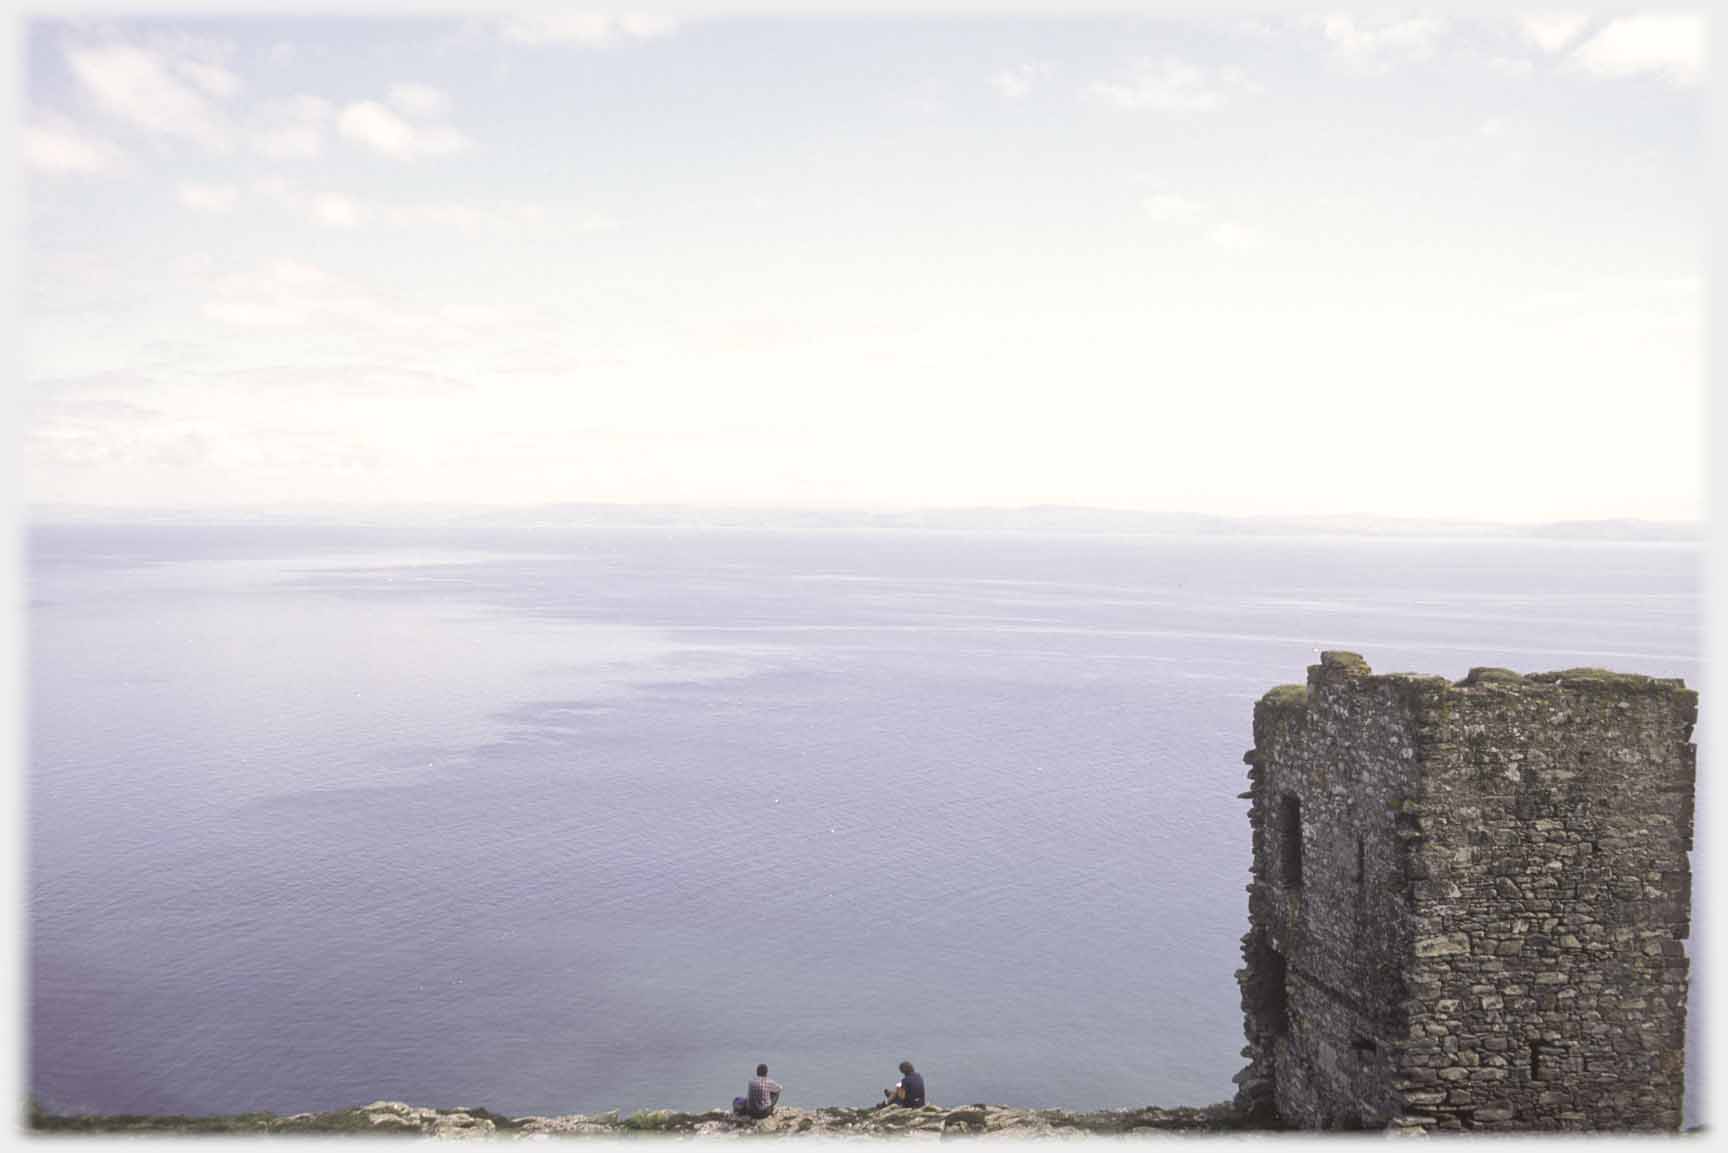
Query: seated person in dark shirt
x=910, y=1091
x=760, y=1098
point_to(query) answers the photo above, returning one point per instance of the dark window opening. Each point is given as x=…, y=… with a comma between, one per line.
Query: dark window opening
x=1291, y=873
x=1535, y=1063
x=1280, y=997
x=1364, y=1047
x=1269, y=992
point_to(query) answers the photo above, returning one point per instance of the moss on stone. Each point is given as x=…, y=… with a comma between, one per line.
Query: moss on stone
x=1598, y=678
x=1347, y=662
x=1489, y=675
x=1286, y=696
x=346, y=1121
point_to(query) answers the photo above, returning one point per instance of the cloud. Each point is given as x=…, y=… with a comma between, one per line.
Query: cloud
x=1670, y=45
x=1171, y=85
x=52, y=143
x=458, y=216
x=292, y=272
x=382, y=130
x=292, y=129
x=336, y=211
x=1017, y=81
x=1373, y=43
x=418, y=99
x=1552, y=31
x=1193, y=218
x=209, y=197
x=1164, y=208
x=253, y=314
x=287, y=293
x=292, y=143
x=590, y=28
x=155, y=91
x=214, y=79
x=1511, y=66
x=1255, y=26
x=289, y=143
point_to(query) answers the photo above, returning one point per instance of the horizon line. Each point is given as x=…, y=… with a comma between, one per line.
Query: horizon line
x=34, y=509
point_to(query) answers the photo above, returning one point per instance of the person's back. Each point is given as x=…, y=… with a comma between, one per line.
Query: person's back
x=761, y=1096
x=910, y=1089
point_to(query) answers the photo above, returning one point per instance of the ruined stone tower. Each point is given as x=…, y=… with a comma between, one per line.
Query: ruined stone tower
x=1469, y=900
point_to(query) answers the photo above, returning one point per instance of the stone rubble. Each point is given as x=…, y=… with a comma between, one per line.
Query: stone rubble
x=928, y=1123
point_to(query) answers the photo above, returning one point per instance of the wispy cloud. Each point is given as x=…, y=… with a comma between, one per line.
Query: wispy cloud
x=1171, y=85
x=1017, y=81
x=1553, y=31
x=1258, y=27
x=336, y=211
x=379, y=127
x=1374, y=44
x=463, y=216
x=209, y=197
x=418, y=99
x=1193, y=218
x=333, y=209
x=292, y=129
x=1670, y=45
x=1511, y=65
x=589, y=28
x=287, y=293
x=158, y=92
x=53, y=143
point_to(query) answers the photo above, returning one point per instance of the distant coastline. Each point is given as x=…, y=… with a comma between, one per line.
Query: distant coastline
x=1038, y=519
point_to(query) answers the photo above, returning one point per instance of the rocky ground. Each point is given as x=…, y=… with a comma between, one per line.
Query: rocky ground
x=931, y=1122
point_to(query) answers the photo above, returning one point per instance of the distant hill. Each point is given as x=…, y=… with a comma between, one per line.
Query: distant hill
x=1619, y=530
x=1040, y=519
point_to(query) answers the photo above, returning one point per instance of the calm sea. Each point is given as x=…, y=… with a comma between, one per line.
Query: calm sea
x=579, y=819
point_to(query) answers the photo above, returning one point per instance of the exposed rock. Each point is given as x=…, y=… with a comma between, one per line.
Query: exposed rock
x=930, y=1123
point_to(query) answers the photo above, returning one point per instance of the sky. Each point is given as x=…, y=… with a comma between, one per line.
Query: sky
x=1324, y=264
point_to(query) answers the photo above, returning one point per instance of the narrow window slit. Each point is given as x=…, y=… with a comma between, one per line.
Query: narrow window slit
x=1292, y=841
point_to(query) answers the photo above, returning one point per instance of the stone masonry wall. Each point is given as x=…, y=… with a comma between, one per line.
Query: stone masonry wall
x=1338, y=759
x=1487, y=929
x=1550, y=974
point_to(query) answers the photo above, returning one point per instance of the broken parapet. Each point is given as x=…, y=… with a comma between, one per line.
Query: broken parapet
x=1469, y=901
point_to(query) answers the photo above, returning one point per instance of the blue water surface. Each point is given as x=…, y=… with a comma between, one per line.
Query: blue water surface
x=574, y=819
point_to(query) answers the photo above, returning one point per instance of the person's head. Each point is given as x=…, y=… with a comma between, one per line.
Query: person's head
x=905, y=1066
x=761, y=1070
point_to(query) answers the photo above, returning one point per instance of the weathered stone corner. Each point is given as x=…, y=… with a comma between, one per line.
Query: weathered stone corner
x=1337, y=667
x=1469, y=900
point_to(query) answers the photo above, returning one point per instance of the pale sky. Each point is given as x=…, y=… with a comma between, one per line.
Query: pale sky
x=1414, y=266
